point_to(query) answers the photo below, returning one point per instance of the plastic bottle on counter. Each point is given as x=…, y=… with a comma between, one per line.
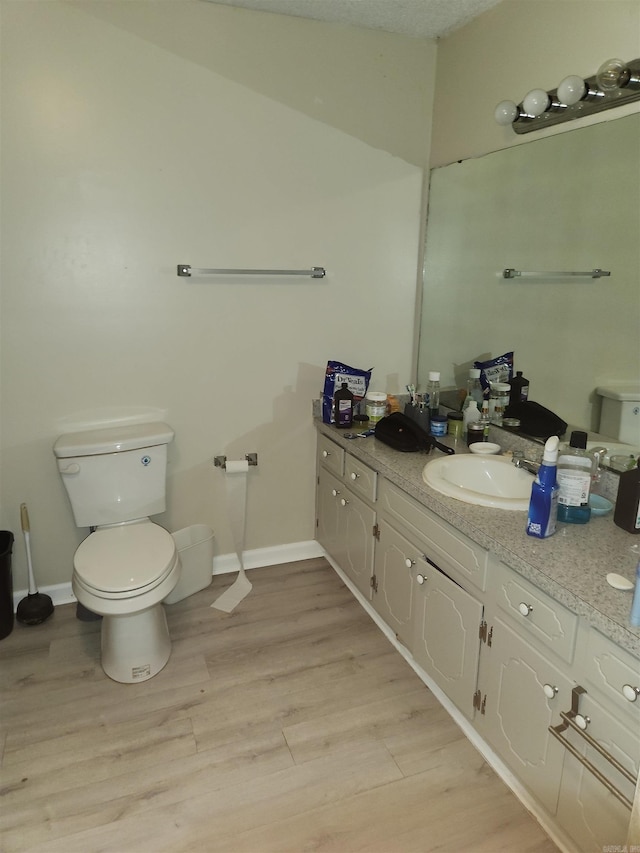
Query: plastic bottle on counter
x=543, y=505
x=627, y=512
x=485, y=420
x=470, y=415
x=519, y=389
x=343, y=403
x=474, y=388
x=433, y=390
x=575, y=473
x=634, y=617
x=375, y=406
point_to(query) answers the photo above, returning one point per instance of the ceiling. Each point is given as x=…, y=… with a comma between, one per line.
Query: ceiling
x=421, y=18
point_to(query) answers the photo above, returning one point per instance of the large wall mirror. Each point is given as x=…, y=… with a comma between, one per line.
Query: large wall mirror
x=569, y=202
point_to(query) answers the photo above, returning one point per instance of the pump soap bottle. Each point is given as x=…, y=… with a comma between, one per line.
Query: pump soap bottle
x=543, y=506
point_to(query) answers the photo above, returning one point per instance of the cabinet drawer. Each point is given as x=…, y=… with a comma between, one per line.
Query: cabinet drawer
x=614, y=672
x=455, y=553
x=331, y=455
x=360, y=478
x=537, y=613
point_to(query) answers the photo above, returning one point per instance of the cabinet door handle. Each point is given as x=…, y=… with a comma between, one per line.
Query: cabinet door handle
x=581, y=721
x=550, y=691
x=409, y=563
x=630, y=692
x=343, y=502
x=420, y=578
x=525, y=609
x=326, y=454
x=335, y=492
x=354, y=476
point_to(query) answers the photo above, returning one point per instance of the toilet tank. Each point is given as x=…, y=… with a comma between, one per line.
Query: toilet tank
x=620, y=415
x=115, y=474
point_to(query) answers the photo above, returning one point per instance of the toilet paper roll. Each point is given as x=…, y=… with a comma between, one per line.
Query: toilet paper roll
x=236, y=486
x=239, y=467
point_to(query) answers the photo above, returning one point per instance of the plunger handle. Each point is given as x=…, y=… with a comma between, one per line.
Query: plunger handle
x=24, y=518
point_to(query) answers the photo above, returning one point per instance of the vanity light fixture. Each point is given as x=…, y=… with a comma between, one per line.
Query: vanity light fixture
x=615, y=83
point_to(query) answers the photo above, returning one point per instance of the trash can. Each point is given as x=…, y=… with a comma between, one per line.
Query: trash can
x=6, y=584
x=195, y=547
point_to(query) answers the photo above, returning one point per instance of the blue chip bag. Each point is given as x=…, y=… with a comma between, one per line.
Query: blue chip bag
x=337, y=373
x=499, y=369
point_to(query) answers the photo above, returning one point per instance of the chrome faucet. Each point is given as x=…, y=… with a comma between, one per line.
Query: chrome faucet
x=520, y=461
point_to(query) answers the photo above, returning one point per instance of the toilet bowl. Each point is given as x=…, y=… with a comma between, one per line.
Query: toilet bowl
x=115, y=478
x=123, y=572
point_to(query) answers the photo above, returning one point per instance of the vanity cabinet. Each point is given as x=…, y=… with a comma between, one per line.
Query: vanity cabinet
x=345, y=522
x=524, y=670
x=424, y=573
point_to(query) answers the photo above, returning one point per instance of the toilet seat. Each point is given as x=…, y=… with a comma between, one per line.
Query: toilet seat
x=126, y=560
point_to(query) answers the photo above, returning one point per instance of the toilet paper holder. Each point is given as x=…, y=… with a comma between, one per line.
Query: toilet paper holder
x=221, y=461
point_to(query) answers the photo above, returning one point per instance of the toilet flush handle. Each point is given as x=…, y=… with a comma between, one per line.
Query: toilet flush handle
x=74, y=468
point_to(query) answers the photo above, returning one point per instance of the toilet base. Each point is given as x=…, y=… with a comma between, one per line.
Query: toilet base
x=135, y=646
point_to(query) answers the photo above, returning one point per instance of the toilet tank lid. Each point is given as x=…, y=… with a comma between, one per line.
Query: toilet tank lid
x=620, y=391
x=93, y=442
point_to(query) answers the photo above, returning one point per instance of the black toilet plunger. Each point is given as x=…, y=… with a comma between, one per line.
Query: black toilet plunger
x=37, y=606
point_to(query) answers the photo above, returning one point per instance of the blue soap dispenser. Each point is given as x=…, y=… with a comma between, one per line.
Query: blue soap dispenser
x=543, y=506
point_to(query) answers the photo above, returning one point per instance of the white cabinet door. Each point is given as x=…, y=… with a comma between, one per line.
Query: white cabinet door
x=447, y=634
x=328, y=495
x=393, y=589
x=354, y=555
x=522, y=695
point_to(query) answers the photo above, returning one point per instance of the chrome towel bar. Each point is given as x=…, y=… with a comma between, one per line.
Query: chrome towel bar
x=185, y=270
x=511, y=273
x=569, y=721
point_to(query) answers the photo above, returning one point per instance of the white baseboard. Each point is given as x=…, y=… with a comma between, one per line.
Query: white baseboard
x=61, y=593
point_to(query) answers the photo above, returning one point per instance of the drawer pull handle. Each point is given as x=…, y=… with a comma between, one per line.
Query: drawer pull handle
x=326, y=454
x=581, y=721
x=570, y=720
x=630, y=692
x=525, y=609
x=354, y=476
x=420, y=578
x=409, y=563
x=343, y=502
x=550, y=691
x=335, y=492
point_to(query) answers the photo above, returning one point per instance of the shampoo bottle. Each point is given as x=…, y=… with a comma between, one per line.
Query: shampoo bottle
x=543, y=506
x=627, y=512
x=575, y=471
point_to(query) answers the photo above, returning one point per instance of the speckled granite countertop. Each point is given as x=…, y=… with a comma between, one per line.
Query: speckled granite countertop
x=571, y=566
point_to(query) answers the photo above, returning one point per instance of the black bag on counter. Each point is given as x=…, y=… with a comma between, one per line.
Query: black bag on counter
x=535, y=420
x=403, y=433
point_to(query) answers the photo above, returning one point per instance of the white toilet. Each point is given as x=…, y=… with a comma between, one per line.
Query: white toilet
x=115, y=479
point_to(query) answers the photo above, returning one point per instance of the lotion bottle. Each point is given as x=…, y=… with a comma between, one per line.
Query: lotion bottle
x=543, y=505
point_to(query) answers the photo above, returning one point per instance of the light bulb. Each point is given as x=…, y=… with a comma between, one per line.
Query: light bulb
x=536, y=102
x=572, y=90
x=506, y=112
x=613, y=74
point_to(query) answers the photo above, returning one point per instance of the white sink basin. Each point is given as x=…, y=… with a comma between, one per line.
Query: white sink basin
x=481, y=480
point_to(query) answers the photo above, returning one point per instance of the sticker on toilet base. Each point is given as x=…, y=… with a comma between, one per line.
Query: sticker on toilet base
x=141, y=671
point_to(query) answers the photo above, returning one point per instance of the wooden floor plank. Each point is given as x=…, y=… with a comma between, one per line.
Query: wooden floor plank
x=290, y=724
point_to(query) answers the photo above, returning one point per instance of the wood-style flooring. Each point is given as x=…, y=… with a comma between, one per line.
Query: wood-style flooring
x=289, y=725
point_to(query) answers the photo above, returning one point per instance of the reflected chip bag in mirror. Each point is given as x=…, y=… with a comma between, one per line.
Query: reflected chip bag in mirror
x=336, y=373
x=499, y=369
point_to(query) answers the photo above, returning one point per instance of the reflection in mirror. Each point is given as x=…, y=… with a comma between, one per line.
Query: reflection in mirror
x=569, y=202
